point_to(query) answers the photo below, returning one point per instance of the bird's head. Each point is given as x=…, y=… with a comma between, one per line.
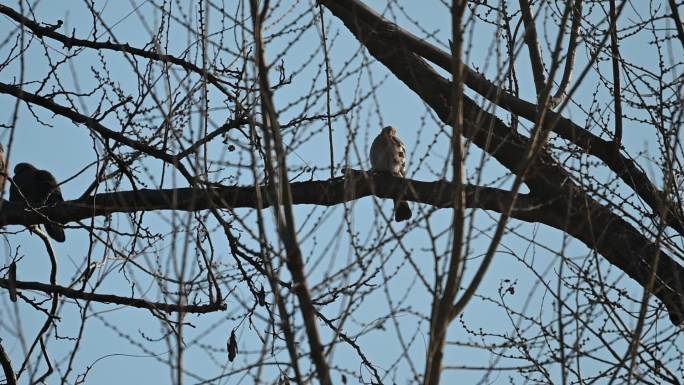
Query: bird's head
x=23, y=167
x=389, y=130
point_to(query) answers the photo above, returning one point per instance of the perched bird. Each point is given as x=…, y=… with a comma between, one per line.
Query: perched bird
x=37, y=188
x=388, y=154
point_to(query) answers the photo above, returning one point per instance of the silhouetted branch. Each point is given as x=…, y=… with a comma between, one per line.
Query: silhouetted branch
x=560, y=95
x=615, y=60
x=325, y=193
x=92, y=124
x=356, y=15
x=115, y=299
x=677, y=21
x=532, y=43
x=70, y=42
x=6, y=364
x=547, y=178
x=588, y=221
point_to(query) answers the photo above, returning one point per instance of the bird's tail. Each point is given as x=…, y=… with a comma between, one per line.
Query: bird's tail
x=402, y=211
x=55, y=231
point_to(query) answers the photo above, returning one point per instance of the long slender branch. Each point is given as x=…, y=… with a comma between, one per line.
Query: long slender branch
x=325, y=193
x=69, y=42
x=51, y=314
x=444, y=299
x=615, y=59
x=677, y=21
x=92, y=124
x=532, y=43
x=6, y=364
x=281, y=193
x=570, y=56
x=593, y=224
x=115, y=299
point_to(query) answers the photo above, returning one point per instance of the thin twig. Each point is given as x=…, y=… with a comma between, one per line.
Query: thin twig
x=327, y=92
x=114, y=299
x=615, y=58
x=560, y=95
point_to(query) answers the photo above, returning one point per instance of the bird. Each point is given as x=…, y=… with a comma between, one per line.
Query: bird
x=37, y=188
x=388, y=154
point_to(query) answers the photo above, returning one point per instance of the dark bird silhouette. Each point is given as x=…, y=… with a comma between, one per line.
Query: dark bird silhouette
x=37, y=188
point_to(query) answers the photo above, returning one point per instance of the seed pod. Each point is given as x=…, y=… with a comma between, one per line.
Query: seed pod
x=232, y=347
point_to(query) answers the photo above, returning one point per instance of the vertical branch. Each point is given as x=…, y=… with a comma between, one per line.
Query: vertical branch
x=560, y=324
x=440, y=318
x=513, y=86
x=560, y=95
x=533, y=46
x=536, y=145
x=54, y=303
x=668, y=151
x=180, y=317
x=48, y=363
x=6, y=364
x=327, y=92
x=677, y=21
x=271, y=273
x=279, y=189
x=615, y=56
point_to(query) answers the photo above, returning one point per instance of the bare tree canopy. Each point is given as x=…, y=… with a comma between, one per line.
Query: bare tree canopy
x=342, y=191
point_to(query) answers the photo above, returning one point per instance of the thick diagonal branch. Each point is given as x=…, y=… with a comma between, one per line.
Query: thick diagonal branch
x=546, y=178
x=357, y=15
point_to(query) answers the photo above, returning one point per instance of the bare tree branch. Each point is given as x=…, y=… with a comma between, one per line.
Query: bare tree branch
x=546, y=178
x=326, y=193
x=70, y=42
x=532, y=43
x=281, y=194
x=560, y=94
x=444, y=297
x=677, y=21
x=615, y=60
x=115, y=299
x=94, y=125
x=6, y=364
x=354, y=12
x=593, y=224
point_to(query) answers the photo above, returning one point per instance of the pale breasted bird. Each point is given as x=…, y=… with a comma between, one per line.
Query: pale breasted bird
x=388, y=154
x=38, y=188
